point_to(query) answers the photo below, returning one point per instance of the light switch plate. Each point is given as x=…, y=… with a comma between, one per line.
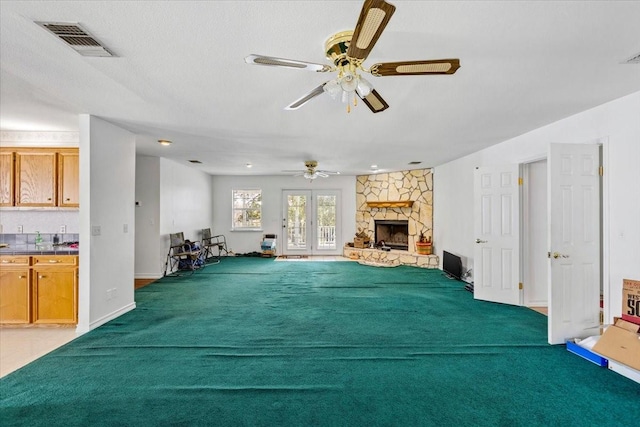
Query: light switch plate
x=95, y=230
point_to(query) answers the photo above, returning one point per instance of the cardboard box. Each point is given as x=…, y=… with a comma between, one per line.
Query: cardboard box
x=631, y=300
x=620, y=343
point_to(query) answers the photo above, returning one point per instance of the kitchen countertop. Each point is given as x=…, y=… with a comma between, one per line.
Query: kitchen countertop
x=32, y=249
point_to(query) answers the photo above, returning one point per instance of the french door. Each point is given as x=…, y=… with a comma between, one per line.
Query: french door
x=311, y=222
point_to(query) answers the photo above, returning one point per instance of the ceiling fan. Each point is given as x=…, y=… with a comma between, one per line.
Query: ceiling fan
x=348, y=50
x=311, y=172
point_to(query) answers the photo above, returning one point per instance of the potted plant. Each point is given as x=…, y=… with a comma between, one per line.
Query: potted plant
x=423, y=245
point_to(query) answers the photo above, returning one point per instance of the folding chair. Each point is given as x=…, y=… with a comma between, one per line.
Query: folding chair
x=183, y=255
x=213, y=243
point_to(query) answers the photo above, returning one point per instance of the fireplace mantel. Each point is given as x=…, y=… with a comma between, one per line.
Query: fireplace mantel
x=390, y=204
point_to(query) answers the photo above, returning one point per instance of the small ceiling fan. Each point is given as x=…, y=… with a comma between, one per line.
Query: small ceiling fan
x=348, y=50
x=311, y=172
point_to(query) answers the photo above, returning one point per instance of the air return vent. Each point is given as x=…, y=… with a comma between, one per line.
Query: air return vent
x=77, y=37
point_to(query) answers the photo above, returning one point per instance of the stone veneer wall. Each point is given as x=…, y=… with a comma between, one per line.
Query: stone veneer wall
x=415, y=185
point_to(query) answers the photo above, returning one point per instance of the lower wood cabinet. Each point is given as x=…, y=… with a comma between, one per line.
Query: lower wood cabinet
x=42, y=290
x=15, y=290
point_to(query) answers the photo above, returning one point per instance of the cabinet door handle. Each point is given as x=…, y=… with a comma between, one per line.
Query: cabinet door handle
x=53, y=261
x=49, y=199
x=21, y=277
x=7, y=261
x=41, y=276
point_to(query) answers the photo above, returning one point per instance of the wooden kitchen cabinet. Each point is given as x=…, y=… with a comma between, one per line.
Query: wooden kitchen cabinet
x=15, y=290
x=55, y=289
x=35, y=178
x=39, y=177
x=6, y=178
x=69, y=179
x=39, y=289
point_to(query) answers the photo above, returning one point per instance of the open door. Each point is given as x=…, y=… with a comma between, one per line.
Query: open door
x=496, y=260
x=574, y=241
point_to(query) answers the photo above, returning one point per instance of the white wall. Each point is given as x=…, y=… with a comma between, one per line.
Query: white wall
x=107, y=171
x=186, y=201
x=616, y=125
x=147, y=265
x=272, y=186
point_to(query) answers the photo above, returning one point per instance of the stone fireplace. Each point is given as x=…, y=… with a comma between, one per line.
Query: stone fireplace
x=394, y=233
x=405, y=196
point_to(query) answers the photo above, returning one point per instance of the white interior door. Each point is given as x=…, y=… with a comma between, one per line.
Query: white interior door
x=574, y=241
x=311, y=222
x=496, y=260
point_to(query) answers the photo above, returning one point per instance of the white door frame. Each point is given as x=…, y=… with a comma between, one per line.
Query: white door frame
x=311, y=235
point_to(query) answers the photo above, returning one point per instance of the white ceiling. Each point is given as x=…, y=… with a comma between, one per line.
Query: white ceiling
x=180, y=74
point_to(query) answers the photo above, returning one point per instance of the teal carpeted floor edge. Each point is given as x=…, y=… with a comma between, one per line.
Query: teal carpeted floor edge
x=253, y=342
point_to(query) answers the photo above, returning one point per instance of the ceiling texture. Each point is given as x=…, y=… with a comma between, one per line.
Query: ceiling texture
x=179, y=73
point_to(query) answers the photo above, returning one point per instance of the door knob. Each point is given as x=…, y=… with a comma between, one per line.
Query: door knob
x=480, y=241
x=557, y=255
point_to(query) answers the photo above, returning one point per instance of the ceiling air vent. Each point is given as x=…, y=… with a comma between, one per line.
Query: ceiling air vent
x=635, y=59
x=77, y=37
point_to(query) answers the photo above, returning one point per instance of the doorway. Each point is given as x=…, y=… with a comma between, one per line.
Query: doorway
x=560, y=251
x=311, y=222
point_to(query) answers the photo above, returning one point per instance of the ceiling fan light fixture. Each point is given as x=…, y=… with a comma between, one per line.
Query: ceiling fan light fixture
x=309, y=175
x=364, y=87
x=349, y=82
x=332, y=87
x=164, y=142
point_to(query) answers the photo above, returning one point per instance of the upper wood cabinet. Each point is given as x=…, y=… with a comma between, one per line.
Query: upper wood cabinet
x=6, y=178
x=39, y=177
x=69, y=179
x=35, y=178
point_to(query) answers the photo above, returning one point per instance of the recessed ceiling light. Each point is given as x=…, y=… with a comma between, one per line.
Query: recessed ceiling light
x=249, y=165
x=414, y=163
x=374, y=166
x=164, y=142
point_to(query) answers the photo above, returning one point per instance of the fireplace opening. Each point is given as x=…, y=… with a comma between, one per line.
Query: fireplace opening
x=394, y=233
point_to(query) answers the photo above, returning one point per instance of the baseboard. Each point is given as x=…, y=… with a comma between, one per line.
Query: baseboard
x=147, y=276
x=109, y=317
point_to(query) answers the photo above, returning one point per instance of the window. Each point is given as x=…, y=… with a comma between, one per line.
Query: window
x=247, y=209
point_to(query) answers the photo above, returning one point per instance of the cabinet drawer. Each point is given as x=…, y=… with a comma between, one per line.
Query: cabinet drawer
x=13, y=260
x=54, y=260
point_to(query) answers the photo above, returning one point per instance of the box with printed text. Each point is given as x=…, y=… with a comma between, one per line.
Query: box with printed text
x=631, y=300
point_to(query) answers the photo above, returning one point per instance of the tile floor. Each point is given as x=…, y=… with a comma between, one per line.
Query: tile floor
x=21, y=346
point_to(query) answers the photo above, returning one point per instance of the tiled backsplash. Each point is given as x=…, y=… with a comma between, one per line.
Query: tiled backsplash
x=42, y=220
x=30, y=238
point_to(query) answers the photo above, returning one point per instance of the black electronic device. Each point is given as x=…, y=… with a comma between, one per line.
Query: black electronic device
x=452, y=265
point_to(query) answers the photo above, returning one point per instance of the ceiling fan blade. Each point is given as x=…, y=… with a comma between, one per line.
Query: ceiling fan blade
x=375, y=102
x=374, y=16
x=306, y=98
x=289, y=63
x=402, y=68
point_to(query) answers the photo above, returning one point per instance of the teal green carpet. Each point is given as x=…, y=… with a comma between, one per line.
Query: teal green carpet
x=253, y=342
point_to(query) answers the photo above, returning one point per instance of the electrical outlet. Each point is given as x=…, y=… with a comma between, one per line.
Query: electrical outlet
x=63, y=229
x=95, y=230
x=125, y=228
x=19, y=229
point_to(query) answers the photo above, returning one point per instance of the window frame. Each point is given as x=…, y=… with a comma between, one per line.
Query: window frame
x=245, y=209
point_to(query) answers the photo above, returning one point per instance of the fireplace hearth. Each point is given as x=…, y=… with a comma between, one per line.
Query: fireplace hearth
x=394, y=233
